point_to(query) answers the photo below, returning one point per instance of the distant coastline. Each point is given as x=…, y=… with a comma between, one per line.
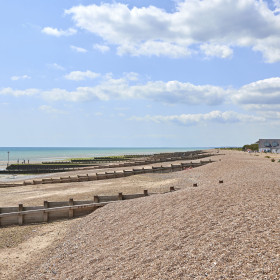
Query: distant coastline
x=39, y=154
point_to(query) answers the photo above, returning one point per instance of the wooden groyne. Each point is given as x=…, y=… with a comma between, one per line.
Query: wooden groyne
x=108, y=175
x=54, y=168
x=52, y=211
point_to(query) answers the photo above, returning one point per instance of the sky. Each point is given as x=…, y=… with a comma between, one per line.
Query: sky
x=131, y=73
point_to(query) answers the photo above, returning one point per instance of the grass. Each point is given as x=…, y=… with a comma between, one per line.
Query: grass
x=232, y=149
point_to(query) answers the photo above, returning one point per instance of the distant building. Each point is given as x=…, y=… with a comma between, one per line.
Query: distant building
x=269, y=145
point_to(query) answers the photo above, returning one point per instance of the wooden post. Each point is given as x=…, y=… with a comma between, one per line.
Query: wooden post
x=96, y=198
x=146, y=193
x=171, y=167
x=71, y=211
x=120, y=196
x=20, y=216
x=115, y=174
x=46, y=214
x=87, y=177
x=172, y=189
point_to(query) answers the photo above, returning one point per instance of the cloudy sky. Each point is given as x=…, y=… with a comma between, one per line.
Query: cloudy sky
x=132, y=73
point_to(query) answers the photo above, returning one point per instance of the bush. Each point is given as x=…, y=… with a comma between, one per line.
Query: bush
x=272, y=159
x=267, y=156
x=253, y=147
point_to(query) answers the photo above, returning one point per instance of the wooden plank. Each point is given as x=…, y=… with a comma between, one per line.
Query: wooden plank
x=132, y=196
x=8, y=209
x=71, y=211
x=20, y=216
x=57, y=204
x=46, y=215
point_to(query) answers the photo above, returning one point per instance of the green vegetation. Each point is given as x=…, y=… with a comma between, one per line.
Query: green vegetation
x=72, y=163
x=107, y=158
x=232, y=148
x=267, y=156
x=253, y=147
x=272, y=159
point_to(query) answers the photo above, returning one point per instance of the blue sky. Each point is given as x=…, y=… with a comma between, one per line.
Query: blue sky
x=139, y=73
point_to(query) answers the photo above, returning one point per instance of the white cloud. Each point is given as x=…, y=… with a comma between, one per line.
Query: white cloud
x=276, y=6
x=260, y=97
x=215, y=24
x=15, y=92
x=98, y=114
x=58, y=32
x=214, y=116
x=166, y=92
x=261, y=107
x=128, y=87
x=80, y=76
x=50, y=110
x=260, y=92
x=56, y=66
x=270, y=49
x=132, y=76
x=157, y=48
x=23, y=77
x=78, y=49
x=101, y=48
x=216, y=50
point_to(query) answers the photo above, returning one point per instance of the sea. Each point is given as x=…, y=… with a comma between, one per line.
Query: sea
x=39, y=154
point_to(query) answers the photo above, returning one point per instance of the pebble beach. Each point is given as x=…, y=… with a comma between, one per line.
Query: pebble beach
x=228, y=230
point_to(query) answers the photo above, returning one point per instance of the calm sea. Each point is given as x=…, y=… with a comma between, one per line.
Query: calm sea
x=39, y=154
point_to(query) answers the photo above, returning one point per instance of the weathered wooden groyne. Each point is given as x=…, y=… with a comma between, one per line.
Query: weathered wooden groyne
x=52, y=211
x=54, y=168
x=108, y=175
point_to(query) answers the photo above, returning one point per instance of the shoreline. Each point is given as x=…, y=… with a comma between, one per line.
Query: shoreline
x=18, y=177
x=227, y=230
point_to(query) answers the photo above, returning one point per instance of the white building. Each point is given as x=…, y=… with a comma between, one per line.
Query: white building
x=269, y=145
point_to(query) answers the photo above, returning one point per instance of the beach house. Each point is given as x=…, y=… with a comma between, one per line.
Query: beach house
x=269, y=145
